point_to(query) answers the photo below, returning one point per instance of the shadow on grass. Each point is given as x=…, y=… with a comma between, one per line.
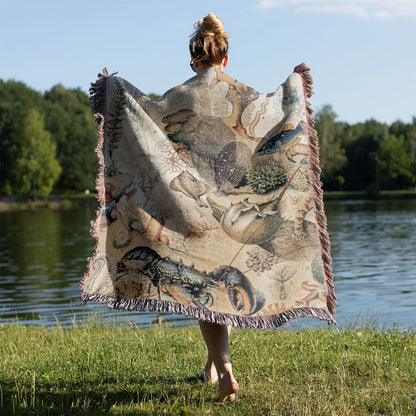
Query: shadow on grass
x=98, y=397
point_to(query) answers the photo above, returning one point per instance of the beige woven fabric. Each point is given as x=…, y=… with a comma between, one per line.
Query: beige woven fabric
x=210, y=202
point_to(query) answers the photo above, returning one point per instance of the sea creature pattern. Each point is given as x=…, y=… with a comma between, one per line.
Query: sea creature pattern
x=282, y=139
x=185, y=283
x=209, y=202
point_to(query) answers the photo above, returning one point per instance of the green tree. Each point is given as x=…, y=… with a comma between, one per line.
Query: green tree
x=394, y=164
x=16, y=99
x=153, y=96
x=71, y=123
x=37, y=130
x=35, y=168
x=9, y=115
x=331, y=153
x=361, y=142
x=408, y=133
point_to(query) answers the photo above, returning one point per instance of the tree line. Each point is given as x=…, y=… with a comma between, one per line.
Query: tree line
x=47, y=143
x=47, y=140
x=367, y=156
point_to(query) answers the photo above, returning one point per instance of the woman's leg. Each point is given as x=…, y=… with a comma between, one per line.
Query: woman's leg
x=209, y=374
x=216, y=339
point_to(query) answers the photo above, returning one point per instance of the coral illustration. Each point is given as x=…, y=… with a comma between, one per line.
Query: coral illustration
x=284, y=275
x=260, y=260
x=300, y=180
x=317, y=270
x=176, y=157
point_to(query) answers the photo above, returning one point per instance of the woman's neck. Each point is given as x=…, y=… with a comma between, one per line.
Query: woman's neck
x=202, y=68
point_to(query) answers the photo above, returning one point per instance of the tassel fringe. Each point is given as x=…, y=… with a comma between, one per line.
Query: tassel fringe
x=317, y=192
x=97, y=102
x=257, y=322
x=98, y=105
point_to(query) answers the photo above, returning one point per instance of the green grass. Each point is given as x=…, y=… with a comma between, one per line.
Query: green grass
x=104, y=369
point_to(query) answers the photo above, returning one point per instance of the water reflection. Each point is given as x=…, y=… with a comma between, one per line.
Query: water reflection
x=374, y=261
x=43, y=257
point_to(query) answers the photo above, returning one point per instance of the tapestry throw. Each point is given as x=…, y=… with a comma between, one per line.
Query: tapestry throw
x=210, y=202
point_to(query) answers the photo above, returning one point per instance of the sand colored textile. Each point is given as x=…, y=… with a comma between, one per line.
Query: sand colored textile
x=210, y=202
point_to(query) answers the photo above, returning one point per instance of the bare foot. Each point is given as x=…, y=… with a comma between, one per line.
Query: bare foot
x=229, y=398
x=207, y=378
x=209, y=375
x=228, y=388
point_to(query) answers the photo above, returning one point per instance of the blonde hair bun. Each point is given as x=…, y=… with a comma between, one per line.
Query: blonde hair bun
x=209, y=42
x=211, y=25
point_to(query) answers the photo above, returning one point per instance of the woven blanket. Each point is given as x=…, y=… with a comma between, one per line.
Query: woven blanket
x=210, y=202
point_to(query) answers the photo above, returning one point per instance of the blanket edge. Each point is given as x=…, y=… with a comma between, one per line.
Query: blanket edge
x=244, y=322
x=321, y=220
x=97, y=101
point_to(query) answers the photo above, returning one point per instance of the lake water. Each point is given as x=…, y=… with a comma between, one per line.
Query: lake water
x=43, y=257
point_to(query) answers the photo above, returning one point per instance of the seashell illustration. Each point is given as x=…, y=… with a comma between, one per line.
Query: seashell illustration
x=250, y=223
x=102, y=274
x=190, y=186
x=122, y=237
x=153, y=232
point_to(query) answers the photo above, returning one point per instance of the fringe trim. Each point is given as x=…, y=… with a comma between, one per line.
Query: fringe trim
x=317, y=192
x=98, y=105
x=254, y=322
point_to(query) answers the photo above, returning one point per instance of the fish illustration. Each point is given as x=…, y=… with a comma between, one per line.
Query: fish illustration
x=283, y=139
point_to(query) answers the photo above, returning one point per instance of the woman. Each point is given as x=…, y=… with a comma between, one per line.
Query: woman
x=211, y=205
x=209, y=49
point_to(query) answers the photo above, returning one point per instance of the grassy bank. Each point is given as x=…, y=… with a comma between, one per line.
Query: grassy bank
x=107, y=370
x=343, y=195
x=9, y=203
x=63, y=201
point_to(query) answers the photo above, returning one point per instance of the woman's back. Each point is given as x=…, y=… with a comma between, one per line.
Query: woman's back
x=211, y=202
